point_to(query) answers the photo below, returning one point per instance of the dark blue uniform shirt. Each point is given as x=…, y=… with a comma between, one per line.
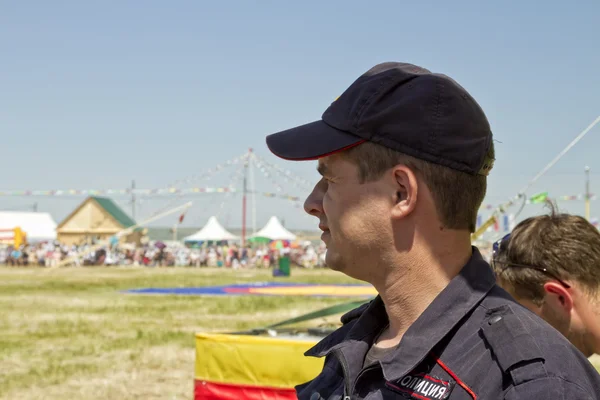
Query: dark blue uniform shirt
x=474, y=341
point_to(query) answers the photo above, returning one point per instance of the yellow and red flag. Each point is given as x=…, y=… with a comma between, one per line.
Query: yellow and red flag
x=249, y=367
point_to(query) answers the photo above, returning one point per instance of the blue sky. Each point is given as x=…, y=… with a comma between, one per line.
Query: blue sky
x=95, y=94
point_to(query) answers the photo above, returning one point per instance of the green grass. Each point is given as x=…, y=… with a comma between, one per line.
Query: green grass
x=69, y=333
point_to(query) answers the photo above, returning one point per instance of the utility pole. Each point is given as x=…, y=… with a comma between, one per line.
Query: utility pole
x=252, y=188
x=133, y=199
x=244, y=202
x=587, y=193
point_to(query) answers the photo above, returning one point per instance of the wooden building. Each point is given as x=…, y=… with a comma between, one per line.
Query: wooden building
x=97, y=218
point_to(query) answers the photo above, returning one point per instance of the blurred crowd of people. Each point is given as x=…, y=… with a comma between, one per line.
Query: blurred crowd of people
x=156, y=254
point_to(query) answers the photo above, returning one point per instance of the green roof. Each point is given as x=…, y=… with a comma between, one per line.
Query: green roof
x=115, y=211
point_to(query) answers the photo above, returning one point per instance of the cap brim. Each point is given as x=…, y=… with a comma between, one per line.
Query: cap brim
x=311, y=141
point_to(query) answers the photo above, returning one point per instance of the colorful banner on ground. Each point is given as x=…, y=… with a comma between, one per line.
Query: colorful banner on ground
x=268, y=289
x=232, y=367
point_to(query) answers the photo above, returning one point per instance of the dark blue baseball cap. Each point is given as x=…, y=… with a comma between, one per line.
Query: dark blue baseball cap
x=404, y=107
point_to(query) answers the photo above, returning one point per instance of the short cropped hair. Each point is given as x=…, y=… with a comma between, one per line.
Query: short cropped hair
x=457, y=195
x=566, y=245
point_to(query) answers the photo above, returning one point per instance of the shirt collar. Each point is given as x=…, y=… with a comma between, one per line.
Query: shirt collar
x=448, y=309
x=457, y=299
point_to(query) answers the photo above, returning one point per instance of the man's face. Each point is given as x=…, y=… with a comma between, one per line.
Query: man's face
x=584, y=329
x=354, y=216
x=579, y=322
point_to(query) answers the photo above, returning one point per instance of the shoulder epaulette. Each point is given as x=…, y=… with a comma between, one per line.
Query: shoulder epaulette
x=514, y=348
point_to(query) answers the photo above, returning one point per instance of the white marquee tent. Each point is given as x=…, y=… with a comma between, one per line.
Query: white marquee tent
x=212, y=231
x=273, y=230
x=39, y=227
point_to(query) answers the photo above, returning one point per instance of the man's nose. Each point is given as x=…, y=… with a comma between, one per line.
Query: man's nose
x=313, y=204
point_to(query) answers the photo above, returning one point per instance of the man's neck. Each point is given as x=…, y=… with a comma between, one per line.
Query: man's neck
x=411, y=286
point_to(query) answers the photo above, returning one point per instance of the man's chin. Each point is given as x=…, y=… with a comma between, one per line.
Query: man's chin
x=334, y=267
x=333, y=263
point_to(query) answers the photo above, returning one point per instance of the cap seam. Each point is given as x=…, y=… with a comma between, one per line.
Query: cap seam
x=436, y=116
x=361, y=109
x=484, y=159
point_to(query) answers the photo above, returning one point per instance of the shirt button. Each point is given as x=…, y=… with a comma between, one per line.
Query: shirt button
x=494, y=319
x=315, y=396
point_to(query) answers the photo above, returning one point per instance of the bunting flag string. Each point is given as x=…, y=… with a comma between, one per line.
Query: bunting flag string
x=113, y=192
x=209, y=172
x=200, y=190
x=286, y=173
x=230, y=187
x=235, y=178
x=575, y=197
x=541, y=198
x=265, y=171
x=505, y=224
x=172, y=191
x=196, y=190
x=508, y=221
x=281, y=196
x=296, y=201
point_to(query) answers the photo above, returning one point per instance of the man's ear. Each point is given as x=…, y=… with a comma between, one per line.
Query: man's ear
x=405, y=184
x=557, y=296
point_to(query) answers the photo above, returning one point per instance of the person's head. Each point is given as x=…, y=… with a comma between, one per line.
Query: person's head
x=551, y=265
x=100, y=256
x=404, y=155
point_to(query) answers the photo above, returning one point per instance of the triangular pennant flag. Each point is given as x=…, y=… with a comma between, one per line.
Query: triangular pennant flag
x=182, y=216
x=512, y=222
x=539, y=198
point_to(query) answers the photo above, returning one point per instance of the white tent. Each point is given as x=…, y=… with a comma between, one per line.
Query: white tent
x=39, y=227
x=212, y=231
x=275, y=231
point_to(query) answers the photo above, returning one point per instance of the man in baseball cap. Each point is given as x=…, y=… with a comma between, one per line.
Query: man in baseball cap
x=404, y=156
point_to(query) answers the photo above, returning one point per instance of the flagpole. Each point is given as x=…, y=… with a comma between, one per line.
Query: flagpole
x=245, y=192
x=252, y=188
x=587, y=193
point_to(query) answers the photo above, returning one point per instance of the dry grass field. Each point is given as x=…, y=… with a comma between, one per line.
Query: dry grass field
x=71, y=334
